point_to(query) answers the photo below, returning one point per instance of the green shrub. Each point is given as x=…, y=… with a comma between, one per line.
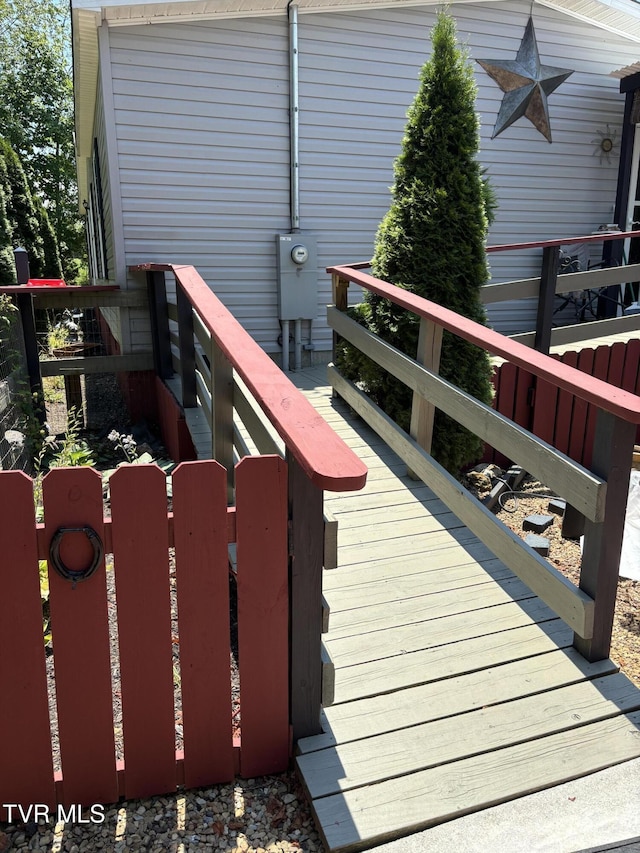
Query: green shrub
x=432, y=243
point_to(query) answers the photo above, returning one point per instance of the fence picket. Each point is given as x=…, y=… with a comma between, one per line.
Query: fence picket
x=564, y=411
x=263, y=613
x=140, y=545
x=25, y=754
x=80, y=630
x=580, y=407
x=202, y=577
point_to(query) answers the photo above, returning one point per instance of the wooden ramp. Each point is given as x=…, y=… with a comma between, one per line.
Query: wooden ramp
x=456, y=688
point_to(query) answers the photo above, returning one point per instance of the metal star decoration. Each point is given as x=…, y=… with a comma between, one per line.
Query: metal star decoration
x=526, y=84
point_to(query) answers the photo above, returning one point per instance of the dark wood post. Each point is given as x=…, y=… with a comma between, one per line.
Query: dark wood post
x=222, y=414
x=548, y=281
x=340, y=291
x=159, y=313
x=28, y=321
x=612, y=457
x=305, y=585
x=187, y=349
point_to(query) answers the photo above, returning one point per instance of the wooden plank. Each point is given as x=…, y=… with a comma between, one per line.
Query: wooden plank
x=412, y=527
x=202, y=580
x=631, y=370
x=86, y=297
x=97, y=364
x=428, y=665
x=80, y=630
x=422, y=409
x=571, y=604
x=263, y=614
x=330, y=554
x=417, y=609
x=307, y=546
x=564, y=409
x=365, y=718
x=376, y=813
x=222, y=422
x=385, y=639
x=580, y=406
x=525, y=288
x=328, y=677
x=414, y=510
x=25, y=754
x=387, y=571
x=553, y=468
x=141, y=556
x=254, y=420
x=400, y=753
x=402, y=546
x=601, y=371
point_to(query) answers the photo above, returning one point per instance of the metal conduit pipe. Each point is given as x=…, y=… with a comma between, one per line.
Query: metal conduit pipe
x=294, y=111
x=285, y=346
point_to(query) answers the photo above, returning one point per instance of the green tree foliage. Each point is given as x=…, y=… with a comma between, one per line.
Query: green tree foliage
x=36, y=112
x=28, y=219
x=7, y=267
x=432, y=243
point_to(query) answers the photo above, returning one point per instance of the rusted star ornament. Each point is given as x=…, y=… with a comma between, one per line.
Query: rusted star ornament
x=526, y=84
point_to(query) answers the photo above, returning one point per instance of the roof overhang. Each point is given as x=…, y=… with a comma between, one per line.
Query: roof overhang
x=621, y=17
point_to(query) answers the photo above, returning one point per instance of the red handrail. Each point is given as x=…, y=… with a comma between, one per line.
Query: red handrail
x=319, y=451
x=614, y=400
x=601, y=236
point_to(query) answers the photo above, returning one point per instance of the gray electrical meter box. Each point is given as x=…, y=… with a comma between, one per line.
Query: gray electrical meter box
x=297, y=276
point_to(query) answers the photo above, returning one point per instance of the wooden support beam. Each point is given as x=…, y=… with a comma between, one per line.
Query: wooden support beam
x=187, y=350
x=27, y=319
x=546, y=296
x=158, y=312
x=422, y=409
x=222, y=415
x=612, y=457
x=307, y=546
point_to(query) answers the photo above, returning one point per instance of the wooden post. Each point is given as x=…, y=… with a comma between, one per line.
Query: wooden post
x=546, y=296
x=222, y=415
x=612, y=457
x=187, y=349
x=27, y=318
x=422, y=411
x=340, y=291
x=158, y=311
x=306, y=550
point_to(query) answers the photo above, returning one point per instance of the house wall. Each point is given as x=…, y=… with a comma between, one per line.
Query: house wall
x=202, y=135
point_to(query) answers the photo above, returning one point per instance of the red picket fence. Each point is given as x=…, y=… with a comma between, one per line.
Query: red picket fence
x=555, y=415
x=139, y=534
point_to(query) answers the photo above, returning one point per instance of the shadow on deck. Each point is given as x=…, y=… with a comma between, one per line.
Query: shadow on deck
x=456, y=687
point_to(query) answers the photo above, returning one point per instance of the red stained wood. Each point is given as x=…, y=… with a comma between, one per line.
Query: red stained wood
x=506, y=396
x=79, y=621
x=25, y=754
x=324, y=457
x=592, y=390
x=202, y=576
x=544, y=410
x=580, y=408
x=600, y=369
x=616, y=364
x=630, y=373
x=140, y=542
x=564, y=412
x=263, y=613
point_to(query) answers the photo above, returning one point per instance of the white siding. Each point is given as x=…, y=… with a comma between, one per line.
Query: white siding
x=201, y=115
x=202, y=125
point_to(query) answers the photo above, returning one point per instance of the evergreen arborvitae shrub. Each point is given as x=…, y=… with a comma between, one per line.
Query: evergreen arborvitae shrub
x=432, y=243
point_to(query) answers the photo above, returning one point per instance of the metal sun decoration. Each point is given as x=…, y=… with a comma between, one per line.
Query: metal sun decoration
x=605, y=143
x=526, y=84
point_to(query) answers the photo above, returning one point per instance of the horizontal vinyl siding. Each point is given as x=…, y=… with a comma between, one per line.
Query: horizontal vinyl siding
x=359, y=74
x=201, y=115
x=203, y=136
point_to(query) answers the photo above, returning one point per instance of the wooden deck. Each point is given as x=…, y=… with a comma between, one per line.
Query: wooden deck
x=456, y=688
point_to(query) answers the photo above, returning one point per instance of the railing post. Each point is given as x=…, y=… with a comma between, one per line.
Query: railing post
x=602, y=544
x=28, y=322
x=159, y=314
x=340, y=292
x=546, y=296
x=306, y=550
x=222, y=415
x=422, y=411
x=187, y=349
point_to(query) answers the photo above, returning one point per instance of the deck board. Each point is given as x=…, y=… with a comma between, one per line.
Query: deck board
x=456, y=688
